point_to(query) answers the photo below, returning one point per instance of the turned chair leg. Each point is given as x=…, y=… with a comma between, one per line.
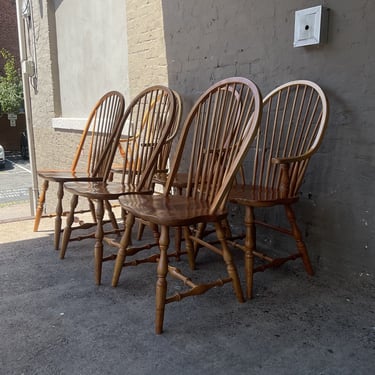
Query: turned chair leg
x=58, y=218
x=99, y=234
x=141, y=228
x=199, y=232
x=68, y=228
x=161, y=283
x=177, y=242
x=111, y=216
x=228, y=259
x=40, y=207
x=299, y=241
x=250, y=238
x=189, y=247
x=124, y=243
x=92, y=210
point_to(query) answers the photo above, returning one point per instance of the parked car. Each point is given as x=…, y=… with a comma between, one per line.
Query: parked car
x=24, y=146
x=2, y=157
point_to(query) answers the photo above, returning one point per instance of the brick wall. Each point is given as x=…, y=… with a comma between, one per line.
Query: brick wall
x=10, y=136
x=8, y=28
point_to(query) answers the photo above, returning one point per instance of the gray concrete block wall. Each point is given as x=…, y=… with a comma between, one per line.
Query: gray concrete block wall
x=210, y=40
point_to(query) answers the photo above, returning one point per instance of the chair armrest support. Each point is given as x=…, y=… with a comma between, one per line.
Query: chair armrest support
x=284, y=181
x=291, y=159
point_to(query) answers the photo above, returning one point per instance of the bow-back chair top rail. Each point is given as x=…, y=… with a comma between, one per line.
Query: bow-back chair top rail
x=294, y=120
x=92, y=157
x=164, y=155
x=104, y=125
x=162, y=165
x=213, y=143
x=149, y=123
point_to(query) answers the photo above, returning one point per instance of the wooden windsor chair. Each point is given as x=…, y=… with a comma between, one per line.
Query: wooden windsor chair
x=213, y=144
x=294, y=120
x=158, y=104
x=163, y=159
x=181, y=179
x=92, y=156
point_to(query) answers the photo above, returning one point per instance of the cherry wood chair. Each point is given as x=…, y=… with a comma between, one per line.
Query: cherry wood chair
x=92, y=156
x=213, y=143
x=181, y=179
x=163, y=161
x=293, y=123
x=164, y=155
x=157, y=104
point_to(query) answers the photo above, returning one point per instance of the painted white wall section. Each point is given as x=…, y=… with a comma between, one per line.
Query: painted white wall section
x=92, y=53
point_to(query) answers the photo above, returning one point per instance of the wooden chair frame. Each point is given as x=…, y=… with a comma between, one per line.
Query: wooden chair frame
x=139, y=166
x=219, y=139
x=93, y=154
x=294, y=120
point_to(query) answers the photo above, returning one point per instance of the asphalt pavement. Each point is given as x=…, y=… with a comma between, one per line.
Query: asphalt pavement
x=15, y=188
x=55, y=320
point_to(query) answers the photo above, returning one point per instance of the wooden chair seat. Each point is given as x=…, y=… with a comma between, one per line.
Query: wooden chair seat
x=173, y=210
x=257, y=196
x=103, y=190
x=65, y=176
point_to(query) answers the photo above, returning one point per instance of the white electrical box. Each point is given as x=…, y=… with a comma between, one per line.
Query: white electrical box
x=28, y=68
x=310, y=26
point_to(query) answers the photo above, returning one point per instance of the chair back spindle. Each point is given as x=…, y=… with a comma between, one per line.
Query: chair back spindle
x=220, y=128
x=294, y=120
x=92, y=154
x=147, y=121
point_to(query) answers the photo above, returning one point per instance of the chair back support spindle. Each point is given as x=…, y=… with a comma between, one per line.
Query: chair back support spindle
x=147, y=121
x=92, y=154
x=294, y=120
x=220, y=128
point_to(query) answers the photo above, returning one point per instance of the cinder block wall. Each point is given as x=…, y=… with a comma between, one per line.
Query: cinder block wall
x=210, y=40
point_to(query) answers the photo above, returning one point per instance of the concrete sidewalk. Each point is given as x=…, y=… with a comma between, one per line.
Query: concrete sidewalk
x=54, y=320
x=15, y=212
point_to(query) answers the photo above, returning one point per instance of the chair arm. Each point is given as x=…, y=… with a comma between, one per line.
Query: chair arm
x=285, y=164
x=285, y=180
x=291, y=159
